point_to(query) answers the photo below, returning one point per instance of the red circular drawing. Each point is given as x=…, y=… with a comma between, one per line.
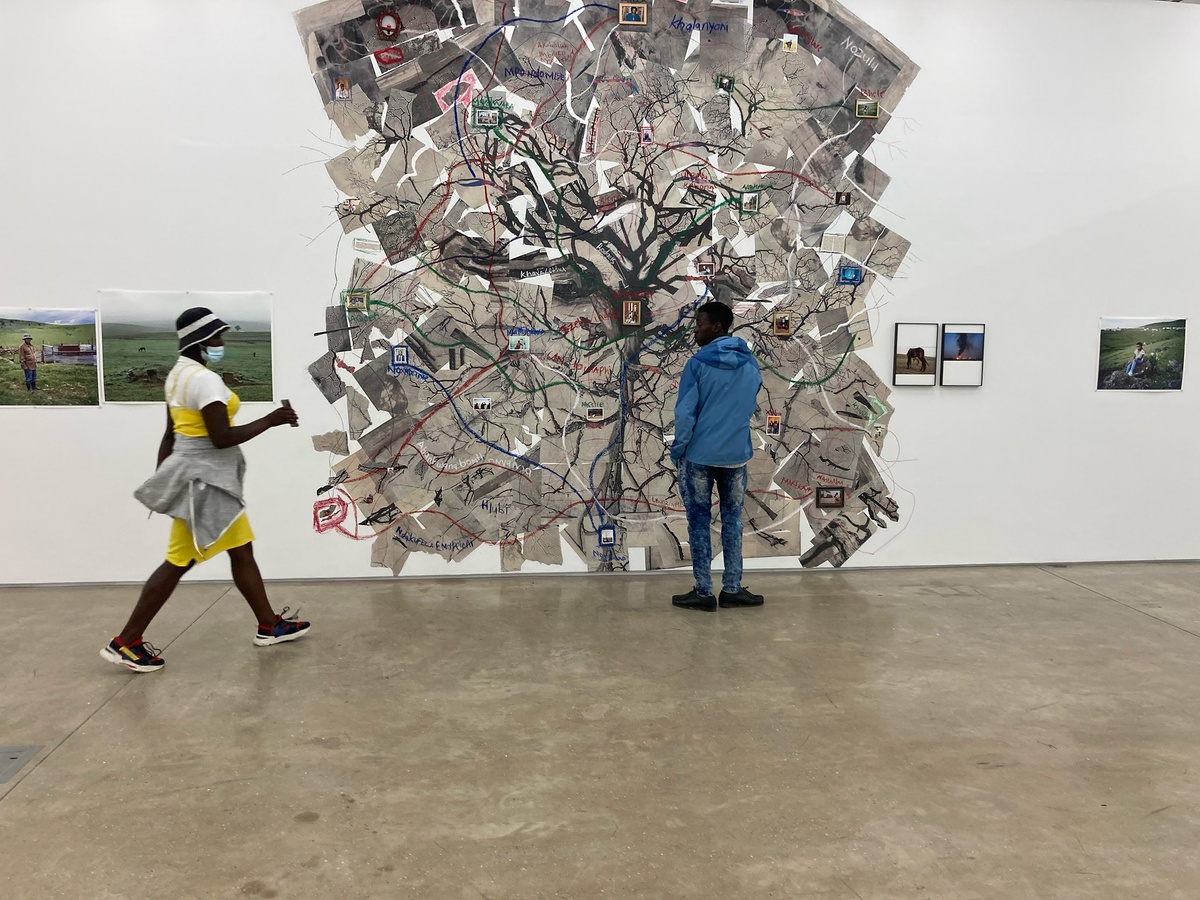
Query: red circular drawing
x=329, y=513
x=388, y=24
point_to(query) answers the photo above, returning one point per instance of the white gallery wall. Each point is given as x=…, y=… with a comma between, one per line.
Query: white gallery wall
x=1043, y=165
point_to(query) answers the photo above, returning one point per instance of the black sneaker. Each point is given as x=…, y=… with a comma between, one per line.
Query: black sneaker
x=138, y=656
x=695, y=600
x=740, y=597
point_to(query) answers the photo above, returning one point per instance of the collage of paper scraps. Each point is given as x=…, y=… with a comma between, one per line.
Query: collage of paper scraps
x=554, y=188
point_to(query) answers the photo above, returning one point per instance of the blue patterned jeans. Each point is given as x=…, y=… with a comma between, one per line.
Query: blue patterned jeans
x=695, y=489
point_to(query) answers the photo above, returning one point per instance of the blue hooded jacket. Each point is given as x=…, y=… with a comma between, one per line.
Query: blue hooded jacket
x=718, y=394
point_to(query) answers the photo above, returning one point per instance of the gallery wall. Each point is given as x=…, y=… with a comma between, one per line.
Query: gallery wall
x=1041, y=165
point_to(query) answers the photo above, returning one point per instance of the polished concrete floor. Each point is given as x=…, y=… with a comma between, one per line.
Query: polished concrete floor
x=1011, y=732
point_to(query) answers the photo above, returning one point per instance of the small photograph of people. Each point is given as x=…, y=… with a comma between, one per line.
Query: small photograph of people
x=631, y=312
x=632, y=13
x=866, y=109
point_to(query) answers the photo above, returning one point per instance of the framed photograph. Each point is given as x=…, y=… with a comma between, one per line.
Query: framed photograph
x=399, y=355
x=518, y=343
x=481, y=404
x=631, y=312
x=595, y=413
x=487, y=118
x=724, y=83
x=773, y=420
x=636, y=14
x=962, y=355
x=48, y=358
x=356, y=301
x=606, y=535
x=866, y=109
x=341, y=89
x=830, y=497
x=842, y=198
x=705, y=268
x=789, y=43
x=1141, y=354
x=915, y=360
x=647, y=134
x=749, y=202
x=848, y=273
x=781, y=324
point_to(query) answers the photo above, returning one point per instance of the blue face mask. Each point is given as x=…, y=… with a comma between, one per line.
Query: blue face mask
x=214, y=354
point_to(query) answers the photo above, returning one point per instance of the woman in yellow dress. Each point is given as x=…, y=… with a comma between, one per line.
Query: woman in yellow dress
x=198, y=482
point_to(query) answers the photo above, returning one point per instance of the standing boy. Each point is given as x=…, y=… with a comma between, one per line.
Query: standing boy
x=717, y=397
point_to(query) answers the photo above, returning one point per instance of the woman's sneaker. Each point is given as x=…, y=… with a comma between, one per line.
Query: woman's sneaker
x=283, y=630
x=138, y=656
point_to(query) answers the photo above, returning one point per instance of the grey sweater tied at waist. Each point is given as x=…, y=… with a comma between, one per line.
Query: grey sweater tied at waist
x=200, y=484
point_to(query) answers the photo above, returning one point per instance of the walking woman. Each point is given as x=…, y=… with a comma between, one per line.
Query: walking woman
x=198, y=482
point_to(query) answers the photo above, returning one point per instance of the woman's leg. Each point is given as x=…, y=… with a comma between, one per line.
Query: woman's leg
x=155, y=593
x=249, y=581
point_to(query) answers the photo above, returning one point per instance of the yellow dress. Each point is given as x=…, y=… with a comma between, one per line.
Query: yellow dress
x=181, y=546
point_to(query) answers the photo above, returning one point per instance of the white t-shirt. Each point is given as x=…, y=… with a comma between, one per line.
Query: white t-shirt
x=193, y=386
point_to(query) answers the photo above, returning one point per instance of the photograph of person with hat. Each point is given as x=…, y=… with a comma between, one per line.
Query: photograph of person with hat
x=28, y=359
x=198, y=482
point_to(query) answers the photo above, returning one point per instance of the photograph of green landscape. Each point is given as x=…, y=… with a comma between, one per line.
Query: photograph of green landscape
x=139, y=347
x=1141, y=354
x=63, y=353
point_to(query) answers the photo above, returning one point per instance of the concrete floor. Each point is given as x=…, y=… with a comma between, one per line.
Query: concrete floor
x=1015, y=732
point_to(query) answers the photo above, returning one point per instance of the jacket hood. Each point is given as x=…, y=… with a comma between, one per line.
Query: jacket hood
x=726, y=352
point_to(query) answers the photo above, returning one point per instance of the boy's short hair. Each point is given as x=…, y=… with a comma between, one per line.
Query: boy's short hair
x=719, y=313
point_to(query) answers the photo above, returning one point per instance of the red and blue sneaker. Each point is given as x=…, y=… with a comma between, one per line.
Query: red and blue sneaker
x=284, y=629
x=138, y=656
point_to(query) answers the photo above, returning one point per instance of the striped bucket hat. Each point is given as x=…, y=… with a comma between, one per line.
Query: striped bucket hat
x=197, y=325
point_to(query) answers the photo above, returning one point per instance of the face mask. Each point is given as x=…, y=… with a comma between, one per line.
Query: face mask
x=214, y=354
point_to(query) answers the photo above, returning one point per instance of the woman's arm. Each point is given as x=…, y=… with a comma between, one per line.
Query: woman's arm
x=222, y=434
x=167, y=444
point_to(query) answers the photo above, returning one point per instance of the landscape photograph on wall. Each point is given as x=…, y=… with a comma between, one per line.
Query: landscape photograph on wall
x=1141, y=354
x=139, y=344
x=57, y=366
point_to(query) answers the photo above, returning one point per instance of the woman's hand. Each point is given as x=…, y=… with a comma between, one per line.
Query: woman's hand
x=222, y=434
x=284, y=415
